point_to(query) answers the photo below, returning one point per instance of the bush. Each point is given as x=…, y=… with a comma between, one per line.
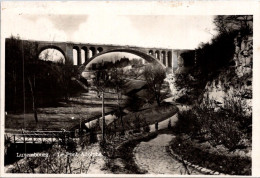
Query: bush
x=224, y=130
x=187, y=123
x=237, y=108
x=225, y=126
x=227, y=164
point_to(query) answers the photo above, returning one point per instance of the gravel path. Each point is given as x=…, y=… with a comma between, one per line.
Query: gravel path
x=153, y=157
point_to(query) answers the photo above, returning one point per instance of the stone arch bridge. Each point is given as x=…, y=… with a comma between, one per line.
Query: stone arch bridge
x=163, y=56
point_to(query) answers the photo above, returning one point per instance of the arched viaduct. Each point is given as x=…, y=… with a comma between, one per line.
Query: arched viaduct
x=163, y=56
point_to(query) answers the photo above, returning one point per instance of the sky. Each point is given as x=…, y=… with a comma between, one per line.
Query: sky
x=49, y=23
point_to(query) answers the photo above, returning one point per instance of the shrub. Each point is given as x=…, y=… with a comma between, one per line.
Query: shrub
x=220, y=127
x=224, y=130
x=227, y=164
x=237, y=108
x=187, y=123
x=137, y=123
x=225, y=126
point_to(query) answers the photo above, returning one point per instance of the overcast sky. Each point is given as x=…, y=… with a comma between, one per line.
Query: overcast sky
x=168, y=31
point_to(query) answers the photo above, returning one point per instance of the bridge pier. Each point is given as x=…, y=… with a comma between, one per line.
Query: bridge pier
x=170, y=58
x=96, y=51
x=79, y=62
x=87, y=58
x=69, y=54
x=166, y=58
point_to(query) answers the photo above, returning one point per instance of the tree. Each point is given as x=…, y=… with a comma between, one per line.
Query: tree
x=55, y=77
x=230, y=23
x=29, y=79
x=117, y=82
x=100, y=82
x=65, y=74
x=214, y=56
x=35, y=73
x=154, y=76
x=13, y=72
x=30, y=59
x=134, y=102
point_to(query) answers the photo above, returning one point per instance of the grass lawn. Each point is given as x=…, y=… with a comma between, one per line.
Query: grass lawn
x=85, y=107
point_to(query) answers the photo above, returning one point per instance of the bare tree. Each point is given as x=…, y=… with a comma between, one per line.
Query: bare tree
x=114, y=79
x=154, y=76
x=30, y=60
x=100, y=82
x=117, y=82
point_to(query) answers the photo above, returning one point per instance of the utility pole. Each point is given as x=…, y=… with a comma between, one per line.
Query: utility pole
x=103, y=117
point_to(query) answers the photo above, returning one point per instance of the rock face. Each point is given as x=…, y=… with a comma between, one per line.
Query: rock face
x=234, y=82
x=231, y=83
x=170, y=78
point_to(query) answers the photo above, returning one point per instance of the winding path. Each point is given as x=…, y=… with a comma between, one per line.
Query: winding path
x=153, y=157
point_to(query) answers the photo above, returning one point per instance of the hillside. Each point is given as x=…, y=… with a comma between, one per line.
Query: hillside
x=218, y=128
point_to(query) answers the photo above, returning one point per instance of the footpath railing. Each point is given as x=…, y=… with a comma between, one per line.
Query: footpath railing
x=39, y=137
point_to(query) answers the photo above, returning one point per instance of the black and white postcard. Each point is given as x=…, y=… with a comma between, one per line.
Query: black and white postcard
x=141, y=88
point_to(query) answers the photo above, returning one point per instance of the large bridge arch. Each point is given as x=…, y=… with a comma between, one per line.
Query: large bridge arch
x=142, y=54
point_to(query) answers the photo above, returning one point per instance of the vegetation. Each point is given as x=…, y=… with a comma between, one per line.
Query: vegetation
x=39, y=82
x=154, y=76
x=143, y=118
x=31, y=81
x=111, y=80
x=230, y=23
x=227, y=125
x=230, y=123
x=56, y=160
x=224, y=126
x=203, y=156
x=228, y=128
x=121, y=63
x=214, y=56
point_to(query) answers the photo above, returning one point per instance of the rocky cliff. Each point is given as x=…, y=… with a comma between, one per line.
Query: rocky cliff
x=234, y=82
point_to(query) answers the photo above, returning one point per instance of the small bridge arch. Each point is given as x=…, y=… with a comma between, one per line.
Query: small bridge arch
x=42, y=48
